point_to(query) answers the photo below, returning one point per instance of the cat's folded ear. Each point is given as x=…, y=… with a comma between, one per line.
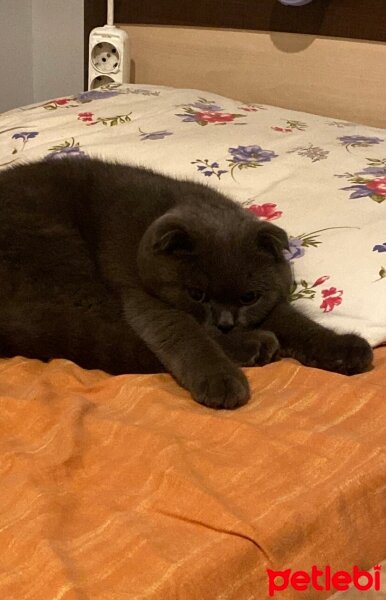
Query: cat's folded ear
x=170, y=236
x=272, y=239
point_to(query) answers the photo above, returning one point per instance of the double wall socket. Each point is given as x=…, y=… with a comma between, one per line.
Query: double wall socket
x=109, y=60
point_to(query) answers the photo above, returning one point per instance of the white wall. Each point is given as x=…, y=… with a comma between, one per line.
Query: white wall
x=57, y=39
x=16, y=86
x=42, y=50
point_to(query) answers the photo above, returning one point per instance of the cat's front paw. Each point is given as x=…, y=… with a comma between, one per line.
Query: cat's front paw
x=348, y=354
x=222, y=388
x=249, y=348
x=259, y=348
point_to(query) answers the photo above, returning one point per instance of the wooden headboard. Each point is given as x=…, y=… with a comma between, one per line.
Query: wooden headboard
x=359, y=19
x=327, y=57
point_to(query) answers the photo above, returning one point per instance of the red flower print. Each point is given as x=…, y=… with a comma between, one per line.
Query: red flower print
x=330, y=292
x=378, y=185
x=282, y=129
x=329, y=303
x=266, y=211
x=214, y=117
x=321, y=280
x=86, y=116
x=332, y=298
x=62, y=101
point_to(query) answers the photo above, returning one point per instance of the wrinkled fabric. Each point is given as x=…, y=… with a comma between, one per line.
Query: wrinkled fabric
x=123, y=487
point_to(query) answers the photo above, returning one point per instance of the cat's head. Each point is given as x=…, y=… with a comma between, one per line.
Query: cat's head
x=226, y=269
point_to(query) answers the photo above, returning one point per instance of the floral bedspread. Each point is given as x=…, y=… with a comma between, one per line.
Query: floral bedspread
x=322, y=180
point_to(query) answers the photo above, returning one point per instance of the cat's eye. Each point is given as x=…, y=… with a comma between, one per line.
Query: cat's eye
x=197, y=295
x=249, y=298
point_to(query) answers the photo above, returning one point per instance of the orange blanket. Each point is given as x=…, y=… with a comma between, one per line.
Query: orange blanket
x=124, y=488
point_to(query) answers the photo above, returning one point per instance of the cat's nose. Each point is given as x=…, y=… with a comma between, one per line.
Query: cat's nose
x=226, y=321
x=224, y=328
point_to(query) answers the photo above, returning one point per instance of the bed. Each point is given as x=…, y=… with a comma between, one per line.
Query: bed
x=123, y=487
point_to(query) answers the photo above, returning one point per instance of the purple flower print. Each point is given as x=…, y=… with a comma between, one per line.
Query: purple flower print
x=296, y=249
x=370, y=182
x=154, y=135
x=74, y=152
x=249, y=157
x=206, y=106
x=359, y=191
x=359, y=140
x=380, y=247
x=377, y=171
x=67, y=148
x=203, y=112
x=251, y=154
x=208, y=169
x=313, y=152
x=376, y=189
x=188, y=118
x=25, y=135
x=95, y=95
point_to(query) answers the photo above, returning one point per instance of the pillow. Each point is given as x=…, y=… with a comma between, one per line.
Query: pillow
x=322, y=180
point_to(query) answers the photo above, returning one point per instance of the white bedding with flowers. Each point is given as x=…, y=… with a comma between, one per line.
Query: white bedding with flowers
x=322, y=180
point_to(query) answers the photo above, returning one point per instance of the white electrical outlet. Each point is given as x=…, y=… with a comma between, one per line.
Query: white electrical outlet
x=109, y=60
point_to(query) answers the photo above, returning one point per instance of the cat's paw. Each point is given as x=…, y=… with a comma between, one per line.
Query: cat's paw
x=249, y=348
x=222, y=388
x=348, y=354
x=259, y=348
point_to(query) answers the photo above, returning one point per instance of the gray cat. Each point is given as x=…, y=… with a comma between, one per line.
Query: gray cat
x=122, y=269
